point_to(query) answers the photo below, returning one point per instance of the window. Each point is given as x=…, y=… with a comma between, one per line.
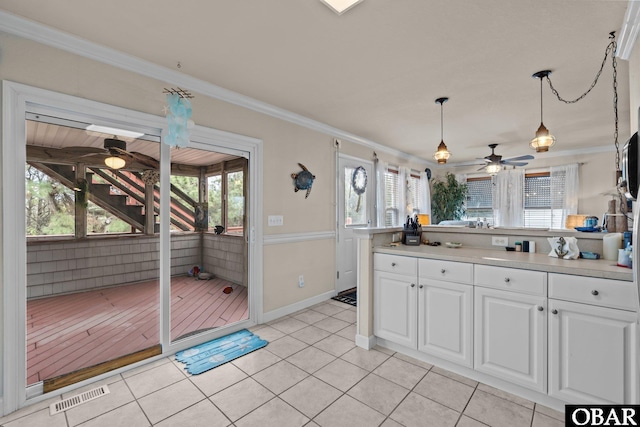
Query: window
x=541, y=208
x=225, y=196
x=403, y=196
x=480, y=199
x=414, y=193
x=391, y=198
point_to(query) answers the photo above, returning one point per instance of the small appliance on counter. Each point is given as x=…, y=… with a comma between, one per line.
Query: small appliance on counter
x=412, y=231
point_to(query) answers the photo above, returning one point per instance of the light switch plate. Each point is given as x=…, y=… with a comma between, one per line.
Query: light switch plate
x=275, y=220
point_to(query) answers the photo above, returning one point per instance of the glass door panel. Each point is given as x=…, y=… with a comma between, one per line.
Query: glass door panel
x=89, y=299
x=208, y=248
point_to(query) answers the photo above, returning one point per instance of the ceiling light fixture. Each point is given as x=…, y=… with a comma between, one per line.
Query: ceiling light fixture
x=340, y=6
x=493, y=168
x=114, y=131
x=543, y=139
x=442, y=154
x=114, y=161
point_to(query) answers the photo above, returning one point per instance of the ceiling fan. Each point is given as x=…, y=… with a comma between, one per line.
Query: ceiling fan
x=494, y=162
x=114, y=154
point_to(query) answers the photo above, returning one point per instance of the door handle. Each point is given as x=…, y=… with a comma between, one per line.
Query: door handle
x=413, y=285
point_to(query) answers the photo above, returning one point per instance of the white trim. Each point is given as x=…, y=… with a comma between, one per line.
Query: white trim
x=300, y=305
x=629, y=30
x=16, y=100
x=278, y=239
x=366, y=342
x=39, y=33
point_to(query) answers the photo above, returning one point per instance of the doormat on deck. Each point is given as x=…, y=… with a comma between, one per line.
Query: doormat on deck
x=214, y=353
x=348, y=297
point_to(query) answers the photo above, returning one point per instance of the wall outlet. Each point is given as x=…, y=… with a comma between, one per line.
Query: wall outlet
x=301, y=281
x=275, y=220
x=499, y=240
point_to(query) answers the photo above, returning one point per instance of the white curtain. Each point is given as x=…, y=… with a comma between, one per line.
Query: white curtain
x=508, y=198
x=403, y=173
x=381, y=202
x=564, y=192
x=425, y=195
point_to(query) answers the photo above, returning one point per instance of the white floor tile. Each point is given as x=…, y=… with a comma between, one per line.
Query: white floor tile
x=241, y=398
x=348, y=412
x=202, y=414
x=170, y=400
x=275, y=413
x=125, y=416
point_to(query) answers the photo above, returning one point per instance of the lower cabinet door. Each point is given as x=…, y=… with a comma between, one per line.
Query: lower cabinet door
x=592, y=354
x=394, y=308
x=445, y=319
x=510, y=336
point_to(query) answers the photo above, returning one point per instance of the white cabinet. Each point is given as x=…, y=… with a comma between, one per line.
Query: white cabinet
x=445, y=310
x=394, y=298
x=510, y=337
x=593, y=348
x=435, y=316
x=394, y=308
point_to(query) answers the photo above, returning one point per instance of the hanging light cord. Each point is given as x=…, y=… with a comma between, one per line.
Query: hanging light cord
x=441, y=122
x=611, y=49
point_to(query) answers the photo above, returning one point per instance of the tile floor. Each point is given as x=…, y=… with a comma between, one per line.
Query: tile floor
x=310, y=374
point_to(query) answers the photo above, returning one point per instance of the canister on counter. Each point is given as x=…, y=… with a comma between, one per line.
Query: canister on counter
x=532, y=246
x=518, y=246
x=525, y=246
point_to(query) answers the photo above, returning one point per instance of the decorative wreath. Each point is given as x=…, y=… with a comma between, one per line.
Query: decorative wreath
x=359, y=180
x=150, y=176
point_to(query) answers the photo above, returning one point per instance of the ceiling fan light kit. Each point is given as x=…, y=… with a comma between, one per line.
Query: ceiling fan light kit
x=494, y=162
x=114, y=161
x=442, y=154
x=543, y=140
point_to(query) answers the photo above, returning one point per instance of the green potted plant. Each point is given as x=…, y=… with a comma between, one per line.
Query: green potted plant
x=447, y=199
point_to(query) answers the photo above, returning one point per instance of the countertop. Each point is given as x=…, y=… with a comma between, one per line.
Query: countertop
x=522, y=260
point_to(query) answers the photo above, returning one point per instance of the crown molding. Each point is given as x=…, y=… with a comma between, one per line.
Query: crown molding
x=19, y=26
x=629, y=31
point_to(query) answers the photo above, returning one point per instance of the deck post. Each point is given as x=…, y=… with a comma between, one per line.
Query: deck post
x=149, y=214
x=81, y=208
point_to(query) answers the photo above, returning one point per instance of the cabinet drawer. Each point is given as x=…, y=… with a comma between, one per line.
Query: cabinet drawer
x=450, y=271
x=511, y=279
x=395, y=264
x=592, y=290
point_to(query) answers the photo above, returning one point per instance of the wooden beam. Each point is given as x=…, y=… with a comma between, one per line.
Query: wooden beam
x=81, y=209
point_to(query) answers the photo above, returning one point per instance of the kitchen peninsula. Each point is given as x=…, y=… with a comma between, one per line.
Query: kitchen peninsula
x=550, y=330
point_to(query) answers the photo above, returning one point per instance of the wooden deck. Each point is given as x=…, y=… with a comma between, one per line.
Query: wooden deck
x=69, y=332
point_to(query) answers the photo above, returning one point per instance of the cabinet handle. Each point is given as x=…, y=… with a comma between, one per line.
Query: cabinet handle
x=507, y=280
x=442, y=271
x=554, y=311
x=393, y=264
x=413, y=285
x=540, y=308
x=594, y=292
x=421, y=286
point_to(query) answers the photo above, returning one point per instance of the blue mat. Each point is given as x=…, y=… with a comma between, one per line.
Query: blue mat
x=214, y=353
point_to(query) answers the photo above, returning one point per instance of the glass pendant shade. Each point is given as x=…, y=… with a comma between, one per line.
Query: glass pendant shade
x=493, y=168
x=114, y=162
x=543, y=140
x=442, y=154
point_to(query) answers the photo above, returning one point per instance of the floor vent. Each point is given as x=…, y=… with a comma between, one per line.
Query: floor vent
x=78, y=399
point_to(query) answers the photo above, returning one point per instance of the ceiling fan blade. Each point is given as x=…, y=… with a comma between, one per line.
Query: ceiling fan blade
x=482, y=168
x=485, y=159
x=81, y=151
x=526, y=157
x=506, y=162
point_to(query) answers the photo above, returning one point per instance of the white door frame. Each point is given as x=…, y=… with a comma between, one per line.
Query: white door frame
x=17, y=99
x=369, y=194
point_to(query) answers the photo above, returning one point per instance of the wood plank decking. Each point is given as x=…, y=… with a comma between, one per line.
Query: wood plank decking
x=69, y=332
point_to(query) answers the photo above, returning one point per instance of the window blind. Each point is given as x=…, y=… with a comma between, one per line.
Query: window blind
x=479, y=199
x=391, y=209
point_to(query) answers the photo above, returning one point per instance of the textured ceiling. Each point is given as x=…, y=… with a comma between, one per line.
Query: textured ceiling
x=376, y=70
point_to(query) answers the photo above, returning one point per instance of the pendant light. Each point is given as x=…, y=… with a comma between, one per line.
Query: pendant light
x=114, y=161
x=442, y=154
x=543, y=139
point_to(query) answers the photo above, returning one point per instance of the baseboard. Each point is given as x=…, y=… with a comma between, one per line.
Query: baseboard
x=300, y=305
x=366, y=342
